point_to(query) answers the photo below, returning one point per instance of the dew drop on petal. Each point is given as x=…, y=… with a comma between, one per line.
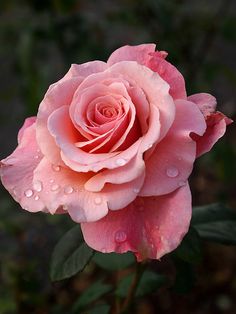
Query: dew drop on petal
x=36, y=198
x=172, y=172
x=68, y=189
x=56, y=168
x=120, y=236
x=55, y=187
x=51, y=181
x=28, y=193
x=38, y=186
x=120, y=162
x=36, y=157
x=98, y=200
x=136, y=191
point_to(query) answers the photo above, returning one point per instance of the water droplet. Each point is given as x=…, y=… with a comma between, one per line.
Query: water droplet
x=28, y=193
x=136, y=191
x=150, y=146
x=182, y=183
x=120, y=236
x=68, y=189
x=56, y=168
x=38, y=186
x=55, y=187
x=98, y=200
x=36, y=198
x=36, y=157
x=172, y=172
x=120, y=162
x=51, y=181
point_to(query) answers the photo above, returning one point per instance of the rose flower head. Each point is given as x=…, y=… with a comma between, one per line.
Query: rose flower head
x=113, y=145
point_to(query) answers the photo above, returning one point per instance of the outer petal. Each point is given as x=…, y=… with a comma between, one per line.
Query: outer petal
x=60, y=95
x=28, y=122
x=17, y=170
x=63, y=188
x=150, y=227
x=216, y=122
x=146, y=55
x=170, y=74
x=138, y=53
x=172, y=160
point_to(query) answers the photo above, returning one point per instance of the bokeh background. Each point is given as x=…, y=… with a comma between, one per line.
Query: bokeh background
x=39, y=39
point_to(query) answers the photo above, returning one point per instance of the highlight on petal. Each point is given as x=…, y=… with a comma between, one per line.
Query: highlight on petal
x=150, y=227
x=215, y=120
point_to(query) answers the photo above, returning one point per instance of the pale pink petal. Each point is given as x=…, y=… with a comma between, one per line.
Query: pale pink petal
x=205, y=102
x=63, y=188
x=150, y=227
x=17, y=170
x=154, y=87
x=138, y=53
x=215, y=120
x=60, y=95
x=171, y=163
x=82, y=70
x=170, y=74
x=127, y=173
x=28, y=122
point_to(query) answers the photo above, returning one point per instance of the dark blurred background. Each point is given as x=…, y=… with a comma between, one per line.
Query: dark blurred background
x=39, y=39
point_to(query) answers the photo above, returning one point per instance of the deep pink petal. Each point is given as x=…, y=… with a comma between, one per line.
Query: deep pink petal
x=215, y=120
x=171, y=163
x=17, y=170
x=149, y=227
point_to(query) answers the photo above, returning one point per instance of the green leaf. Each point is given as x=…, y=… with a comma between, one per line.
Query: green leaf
x=91, y=294
x=190, y=248
x=70, y=255
x=114, y=261
x=149, y=282
x=216, y=223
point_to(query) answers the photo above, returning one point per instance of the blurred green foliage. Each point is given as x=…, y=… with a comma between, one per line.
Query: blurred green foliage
x=39, y=40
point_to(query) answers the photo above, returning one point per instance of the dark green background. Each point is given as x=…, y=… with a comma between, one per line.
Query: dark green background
x=38, y=42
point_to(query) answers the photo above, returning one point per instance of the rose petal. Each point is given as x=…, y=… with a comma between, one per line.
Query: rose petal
x=172, y=161
x=150, y=227
x=28, y=122
x=60, y=95
x=17, y=170
x=170, y=74
x=63, y=188
x=216, y=122
x=139, y=53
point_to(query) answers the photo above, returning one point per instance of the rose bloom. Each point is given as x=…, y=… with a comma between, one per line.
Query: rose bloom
x=113, y=145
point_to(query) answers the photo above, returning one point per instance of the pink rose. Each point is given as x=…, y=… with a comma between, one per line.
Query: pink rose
x=113, y=145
